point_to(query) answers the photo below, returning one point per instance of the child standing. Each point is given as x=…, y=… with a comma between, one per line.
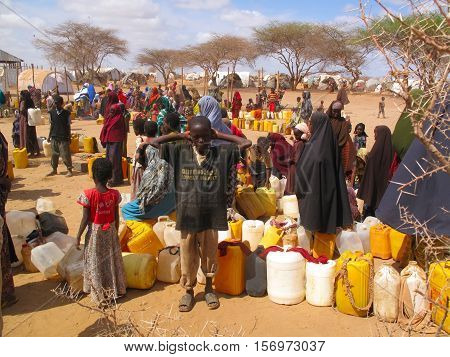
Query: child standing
x=259, y=162
x=381, y=106
x=360, y=138
x=201, y=173
x=138, y=127
x=104, y=276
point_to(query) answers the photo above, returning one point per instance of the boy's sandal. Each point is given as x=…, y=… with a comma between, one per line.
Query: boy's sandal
x=212, y=301
x=186, y=303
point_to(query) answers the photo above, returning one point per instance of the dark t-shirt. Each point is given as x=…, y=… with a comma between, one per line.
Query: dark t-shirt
x=60, y=124
x=201, y=189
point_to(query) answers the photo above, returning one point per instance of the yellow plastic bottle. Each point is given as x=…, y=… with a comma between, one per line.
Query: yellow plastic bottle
x=143, y=239
x=439, y=283
x=359, y=272
x=400, y=245
x=10, y=169
x=90, y=163
x=275, y=128
x=88, y=144
x=324, y=245
x=249, y=203
x=235, y=122
x=236, y=229
x=269, y=126
x=380, y=244
x=74, y=144
x=20, y=157
x=140, y=270
x=255, y=125
x=272, y=237
x=100, y=120
x=268, y=198
x=230, y=278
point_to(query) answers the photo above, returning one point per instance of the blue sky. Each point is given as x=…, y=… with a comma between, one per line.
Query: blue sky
x=169, y=23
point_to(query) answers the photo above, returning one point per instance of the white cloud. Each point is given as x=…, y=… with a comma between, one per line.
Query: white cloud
x=203, y=36
x=201, y=4
x=244, y=18
x=348, y=22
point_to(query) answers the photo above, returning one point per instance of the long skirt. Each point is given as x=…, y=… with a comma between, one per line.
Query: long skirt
x=104, y=274
x=138, y=171
x=28, y=137
x=7, y=254
x=114, y=154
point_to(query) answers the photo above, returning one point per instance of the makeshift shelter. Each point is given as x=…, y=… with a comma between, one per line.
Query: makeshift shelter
x=45, y=81
x=9, y=65
x=271, y=81
x=372, y=83
x=112, y=74
x=133, y=78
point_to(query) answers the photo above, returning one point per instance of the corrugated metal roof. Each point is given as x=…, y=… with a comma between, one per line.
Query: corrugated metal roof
x=5, y=57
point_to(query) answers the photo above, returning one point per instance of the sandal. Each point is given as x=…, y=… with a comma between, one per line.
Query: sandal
x=212, y=301
x=186, y=303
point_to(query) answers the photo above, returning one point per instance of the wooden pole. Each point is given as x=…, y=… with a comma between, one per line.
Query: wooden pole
x=6, y=80
x=56, y=82
x=67, y=84
x=182, y=76
x=32, y=70
x=228, y=86
x=278, y=81
x=17, y=87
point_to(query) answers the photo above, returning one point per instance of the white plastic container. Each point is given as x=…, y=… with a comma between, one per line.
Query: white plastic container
x=371, y=221
x=21, y=223
x=348, y=241
x=46, y=258
x=290, y=206
x=18, y=242
x=252, y=232
x=45, y=205
x=286, y=277
x=169, y=266
x=386, y=293
x=35, y=117
x=47, y=147
x=224, y=235
x=41, y=142
x=74, y=275
x=72, y=256
x=363, y=232
x=304, y=239
x=172, y=237
x=63, y=241
x=320, y=283
x=160, y=226
x=276, y=186
x=417, y=286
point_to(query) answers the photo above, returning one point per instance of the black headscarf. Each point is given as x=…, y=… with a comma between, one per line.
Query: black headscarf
x=379, y=160
x=324, y=204
x=339, y=124
x=26, y=97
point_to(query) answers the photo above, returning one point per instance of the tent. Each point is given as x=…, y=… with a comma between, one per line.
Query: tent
x=359, y=85
x=271, y=81
x=45, y=81
x=372, y=83
x=112, y=74
x=134, y=77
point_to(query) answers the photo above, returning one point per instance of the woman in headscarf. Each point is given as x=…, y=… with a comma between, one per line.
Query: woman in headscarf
x=186, y=93
x=321, y=188
x=210, y=108
x=280, y=152
x=236, y=105
x=165, y=107
x=301, y=136
x=153, y=97
x=376, y=176
x=28, y=136
x=307, y=108
x=112, y=136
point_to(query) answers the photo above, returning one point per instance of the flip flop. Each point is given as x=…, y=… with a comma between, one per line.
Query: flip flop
x=186, y=303
x=212, y=301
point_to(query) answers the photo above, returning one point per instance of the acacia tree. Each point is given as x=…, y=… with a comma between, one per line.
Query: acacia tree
x=81, y=46
x=165, y=61
x=299, y=47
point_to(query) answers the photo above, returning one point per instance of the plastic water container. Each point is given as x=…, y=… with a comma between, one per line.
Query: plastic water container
x=142, y=239
x=276, y=186
x=320, y=283
x=290, y=206
x=74, y=144
x=439, y=275
x=160, y=226
x=46, y=258
x=268, y=199
x=304, y=239
x=386, y=293
x=286, y=277
x=172, y=237
x=47, y=147
x=35, y=117
x=249, y=203
x=21, y=223
x=348, y=241
x=74, y=275
x=400, y=245
x=169, y=266
x=371, y=221
x=230, y=278
x=272, y=237
x=10, y=170
x=380, y=244
x=88, y=145
x=45, y=205
x=256, y=274
x=63, y=241
x=140, y=270
x=415, y=280
x=20, y=157
x=252, y=233
x=26, y=255
x=324, y=244
x=235, y=229
x=363, y=232
x=72, y=256
x=224, y=235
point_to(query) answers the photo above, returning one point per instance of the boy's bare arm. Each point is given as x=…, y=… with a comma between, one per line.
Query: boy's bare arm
x=242, y=143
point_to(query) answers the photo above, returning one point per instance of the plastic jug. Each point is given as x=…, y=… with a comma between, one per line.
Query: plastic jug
x=290, y=206
x=27, y=263
x=235, y=122
x=363, y=231
x=380, y=245
x=142, y=239
x=269, y=127
x=439, y=286
x=348, y=240
x=324, y=244
x=90, y=163
x=160, y=226
x=275, y=128
x=256, y=125
x=100, y=120
x=249, y=203
x=304, y=239
x=230, y=278
x=46, y=257
x=415, y=279
x=256, y=274
x=72, y=256
x=47, y=147
x=140, y=270
x=235, y=229
x=74, y=144
x=172, y=237
x=35, y=117
x=400, y=245
x=286, y=277
x=386, y=293
x=169, y=266
x=252, y=233
x=224, y=235
x=45, y=205
x=74, y=275
x=276, y=186
x=272, y=237
x=320, y=283
x=20, y=157
x=21, y=223
x=268, y=198
x=124, y=235
x=63, y=241
x=371, y=221
x=10, y=170
x=88, y=145
x=354, y=298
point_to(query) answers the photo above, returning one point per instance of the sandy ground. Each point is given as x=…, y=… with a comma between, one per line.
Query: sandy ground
x=40, y=313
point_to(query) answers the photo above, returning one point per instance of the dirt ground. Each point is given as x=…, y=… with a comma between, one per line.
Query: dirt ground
x=40, y=313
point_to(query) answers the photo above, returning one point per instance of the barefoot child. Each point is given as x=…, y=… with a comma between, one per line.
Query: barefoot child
x=201, y=174
x=104, y=276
